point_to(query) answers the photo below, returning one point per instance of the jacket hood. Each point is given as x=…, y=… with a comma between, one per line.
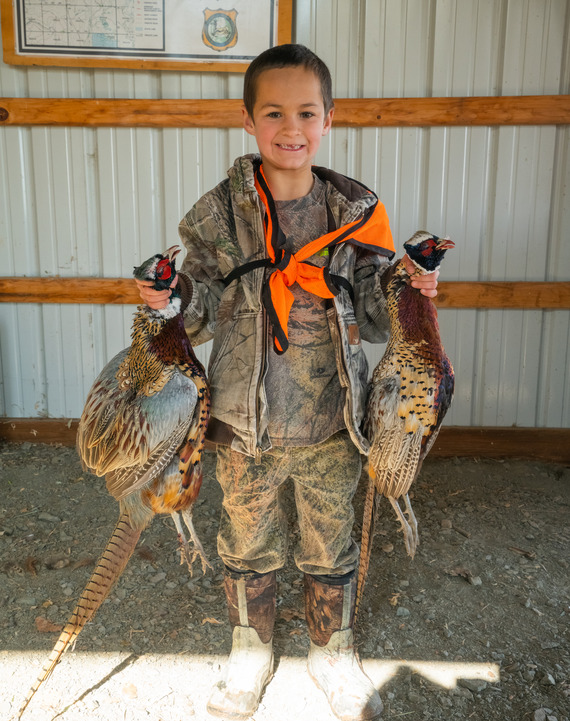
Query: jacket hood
x=352, y=197
x=241, y=174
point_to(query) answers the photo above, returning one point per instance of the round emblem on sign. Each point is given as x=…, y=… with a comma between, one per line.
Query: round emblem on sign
x=220, y=30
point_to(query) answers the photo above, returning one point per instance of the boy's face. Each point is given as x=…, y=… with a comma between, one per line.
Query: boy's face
x=289, y=119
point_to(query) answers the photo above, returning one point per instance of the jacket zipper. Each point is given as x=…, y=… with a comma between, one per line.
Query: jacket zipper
x=258, y=450
x=258, y=390
x=339, y=350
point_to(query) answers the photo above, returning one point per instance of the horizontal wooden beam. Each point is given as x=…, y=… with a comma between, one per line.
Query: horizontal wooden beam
x=55, y=289
x=546, y=444
x=503, y=294
x=451, y=294
x=413, y=112
x=349, y=112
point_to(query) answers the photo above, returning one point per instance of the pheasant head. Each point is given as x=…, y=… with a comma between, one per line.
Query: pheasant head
x=426, y=251
x=160, y=269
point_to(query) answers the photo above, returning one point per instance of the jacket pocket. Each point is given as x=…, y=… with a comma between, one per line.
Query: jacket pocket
x=233, y=369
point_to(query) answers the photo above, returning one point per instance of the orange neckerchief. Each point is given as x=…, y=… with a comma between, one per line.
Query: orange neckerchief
x=371, y=231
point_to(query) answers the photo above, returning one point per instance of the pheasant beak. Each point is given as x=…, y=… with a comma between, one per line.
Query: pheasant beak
x=172, y=252
x=445, y=244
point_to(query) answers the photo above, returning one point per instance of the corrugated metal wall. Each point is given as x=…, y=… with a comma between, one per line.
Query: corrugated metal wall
x=77, y=201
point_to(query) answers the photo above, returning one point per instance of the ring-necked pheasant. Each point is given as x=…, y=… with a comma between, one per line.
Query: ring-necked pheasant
x=143, y=428
x=410, y=391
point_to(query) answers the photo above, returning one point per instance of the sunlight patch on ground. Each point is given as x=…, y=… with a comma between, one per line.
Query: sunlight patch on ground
x=121, y=685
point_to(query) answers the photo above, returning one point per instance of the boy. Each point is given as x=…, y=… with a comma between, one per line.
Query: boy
x=283, y=273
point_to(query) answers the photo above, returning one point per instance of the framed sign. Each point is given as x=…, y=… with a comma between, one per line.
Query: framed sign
x=217, y=35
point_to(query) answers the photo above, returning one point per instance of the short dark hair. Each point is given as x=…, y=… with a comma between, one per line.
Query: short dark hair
x=284, y=56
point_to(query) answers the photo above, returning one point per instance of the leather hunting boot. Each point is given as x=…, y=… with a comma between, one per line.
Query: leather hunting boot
x=251, y=607
x=333, y=664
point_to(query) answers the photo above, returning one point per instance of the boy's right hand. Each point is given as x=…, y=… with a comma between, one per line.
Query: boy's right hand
x=155, y=299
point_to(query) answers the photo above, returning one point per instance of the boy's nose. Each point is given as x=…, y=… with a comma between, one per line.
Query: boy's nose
x=290, y=125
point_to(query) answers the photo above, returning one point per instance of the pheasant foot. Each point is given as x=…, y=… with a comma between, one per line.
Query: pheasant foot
x=187, y=553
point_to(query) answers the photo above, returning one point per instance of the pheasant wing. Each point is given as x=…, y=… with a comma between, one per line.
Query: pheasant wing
x=102, y=405
x=161, y=423
x=443, y=395
x=131, y=438
x=394, y=441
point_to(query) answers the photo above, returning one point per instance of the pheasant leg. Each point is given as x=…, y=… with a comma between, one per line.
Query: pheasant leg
x=187, y=553
x=198, y=548
x=404, y=527
x=413, y=524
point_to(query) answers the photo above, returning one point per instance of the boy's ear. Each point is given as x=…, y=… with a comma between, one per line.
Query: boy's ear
x=328, y=122
x=247, y=121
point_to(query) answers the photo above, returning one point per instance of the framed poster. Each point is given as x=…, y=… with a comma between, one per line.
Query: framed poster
x=218, y=35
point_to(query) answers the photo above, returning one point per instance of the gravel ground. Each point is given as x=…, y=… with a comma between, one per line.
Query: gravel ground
x=475, y=627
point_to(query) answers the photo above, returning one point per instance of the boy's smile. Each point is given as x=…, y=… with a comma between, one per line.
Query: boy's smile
x=288, y=123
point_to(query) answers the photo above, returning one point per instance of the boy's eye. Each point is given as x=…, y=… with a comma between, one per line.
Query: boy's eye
x=274, y=114
x=307, y=114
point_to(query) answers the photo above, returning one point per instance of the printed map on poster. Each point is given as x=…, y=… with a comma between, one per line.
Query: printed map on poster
x=137, y=24
x=169, y=29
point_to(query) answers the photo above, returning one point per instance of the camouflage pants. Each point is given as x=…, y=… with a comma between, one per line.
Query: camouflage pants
x=253, y=533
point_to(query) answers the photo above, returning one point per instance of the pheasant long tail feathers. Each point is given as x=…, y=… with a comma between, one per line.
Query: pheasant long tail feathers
x=366, y=540
x=110, y=566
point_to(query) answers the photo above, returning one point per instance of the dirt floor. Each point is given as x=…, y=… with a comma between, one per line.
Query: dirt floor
x=475, y=627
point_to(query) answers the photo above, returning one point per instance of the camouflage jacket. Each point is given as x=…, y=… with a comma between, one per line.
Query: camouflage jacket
x=223, y=231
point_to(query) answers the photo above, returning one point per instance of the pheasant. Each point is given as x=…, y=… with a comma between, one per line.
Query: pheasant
x=410, y=392
x=143, y=428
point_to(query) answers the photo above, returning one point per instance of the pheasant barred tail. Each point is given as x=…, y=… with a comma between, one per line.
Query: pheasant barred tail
x=365, y=541
x=119, y=549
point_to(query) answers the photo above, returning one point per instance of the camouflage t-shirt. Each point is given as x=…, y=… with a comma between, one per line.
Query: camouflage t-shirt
x=304, y=395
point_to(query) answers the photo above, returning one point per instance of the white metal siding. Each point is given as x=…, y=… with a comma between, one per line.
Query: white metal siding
x=81, y=201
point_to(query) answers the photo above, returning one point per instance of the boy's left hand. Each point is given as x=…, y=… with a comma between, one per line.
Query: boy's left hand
x=426, y=284
x=155, y=299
